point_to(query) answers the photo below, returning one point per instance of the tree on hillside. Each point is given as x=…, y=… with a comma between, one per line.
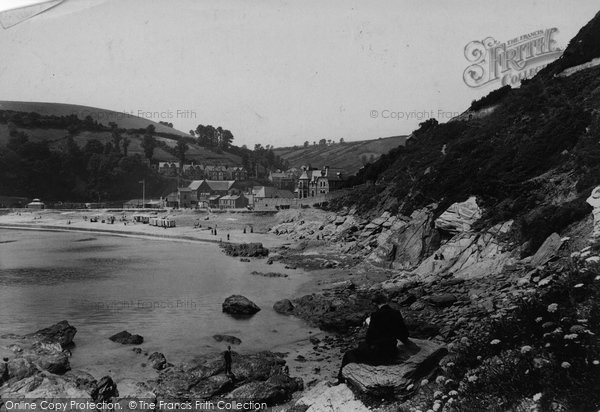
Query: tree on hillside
x=342, y=141
x=180, y=150
x=226, y=139
x=322, y=142
x=148, y=144
x=306, y=143
x=126, y=143
x=116, y=138
x=192, y=133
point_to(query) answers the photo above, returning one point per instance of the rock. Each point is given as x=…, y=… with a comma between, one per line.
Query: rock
x=239, y=305
x=126, y=338
x=245, y=249
x=459, y=217
x=325, y=398
x=269, y=274
x=3, y=372
x=594, y=201
x=20, y=368
x=228, y=339
x=406, y=242
x=414, y=363
x=61, y=333
x=442, y=299
x=105, y=390
x=275, y=390
x=157, y=361
x=259, y=375
x=81, y=380
x=547, y=251
x=39, y=386
x=51, y=360
x=283, y=307
x=469, y=255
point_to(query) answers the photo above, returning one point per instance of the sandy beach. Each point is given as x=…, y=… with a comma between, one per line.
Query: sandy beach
x=232, y=224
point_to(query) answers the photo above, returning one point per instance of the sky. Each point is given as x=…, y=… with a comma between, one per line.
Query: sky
x=276, y=72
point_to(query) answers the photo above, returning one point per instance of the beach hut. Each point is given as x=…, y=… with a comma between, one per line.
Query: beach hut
x=36, y=204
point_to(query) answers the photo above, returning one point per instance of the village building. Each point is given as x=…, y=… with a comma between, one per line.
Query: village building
x=233, y=202
x=168, y=168
x=202, y=192
x=315, y=182
x=284, y=180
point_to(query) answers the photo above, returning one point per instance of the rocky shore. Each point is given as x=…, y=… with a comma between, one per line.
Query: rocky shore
x=456, y=285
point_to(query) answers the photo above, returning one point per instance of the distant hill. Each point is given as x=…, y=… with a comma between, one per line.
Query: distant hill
x=103, y=116
x=347, y=156
x=58, y=137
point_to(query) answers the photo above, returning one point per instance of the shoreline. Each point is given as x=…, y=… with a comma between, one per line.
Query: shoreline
x=297, y=353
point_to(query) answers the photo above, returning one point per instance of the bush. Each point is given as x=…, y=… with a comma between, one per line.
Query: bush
x=547, y=346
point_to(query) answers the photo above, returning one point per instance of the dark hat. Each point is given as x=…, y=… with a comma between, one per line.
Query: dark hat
x=379, y=298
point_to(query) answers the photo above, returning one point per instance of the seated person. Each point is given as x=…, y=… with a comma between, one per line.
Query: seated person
x=386, y=327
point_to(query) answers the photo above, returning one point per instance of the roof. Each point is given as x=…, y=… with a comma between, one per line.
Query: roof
x=230, y=197
x=217, y=185
x=214, y=197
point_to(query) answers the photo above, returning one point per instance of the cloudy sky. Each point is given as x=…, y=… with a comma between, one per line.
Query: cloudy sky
x=272, y=71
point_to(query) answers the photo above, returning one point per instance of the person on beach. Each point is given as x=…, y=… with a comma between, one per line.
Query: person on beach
x=386, y=327
x=227, y=358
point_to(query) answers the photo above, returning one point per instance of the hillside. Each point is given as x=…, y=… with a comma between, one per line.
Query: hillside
x=132, y=124
x=534, y=158
x=348, y=156
x=102, y=116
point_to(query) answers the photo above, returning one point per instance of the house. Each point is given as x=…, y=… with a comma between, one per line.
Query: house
x=201, y=190
x=315, y=182
x=36, y=204
x=168, y=168
x=193, y=171
x=284, y=180
x=144, y=203
x=233, y=202
x=238, y=173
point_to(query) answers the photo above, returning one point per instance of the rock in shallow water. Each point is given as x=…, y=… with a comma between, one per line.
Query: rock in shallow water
x=283, y=307
x=157, y=361
x=239, y=305
x=61, y=333
x=126, y=338
x=227, y=339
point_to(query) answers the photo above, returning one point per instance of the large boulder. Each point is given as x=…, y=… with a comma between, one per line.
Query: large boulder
x=245, y=249
x=325, y=398
x=594, y=201
x=469, y=255
x=413, y=363
x=547, y=251
x=61, y=333
x=459, y=217
x=406, y=242
x=126, y=338
x=239, y=305
x=49, y=358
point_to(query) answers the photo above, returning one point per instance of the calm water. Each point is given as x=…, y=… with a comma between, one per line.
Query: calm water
x=169, y=292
